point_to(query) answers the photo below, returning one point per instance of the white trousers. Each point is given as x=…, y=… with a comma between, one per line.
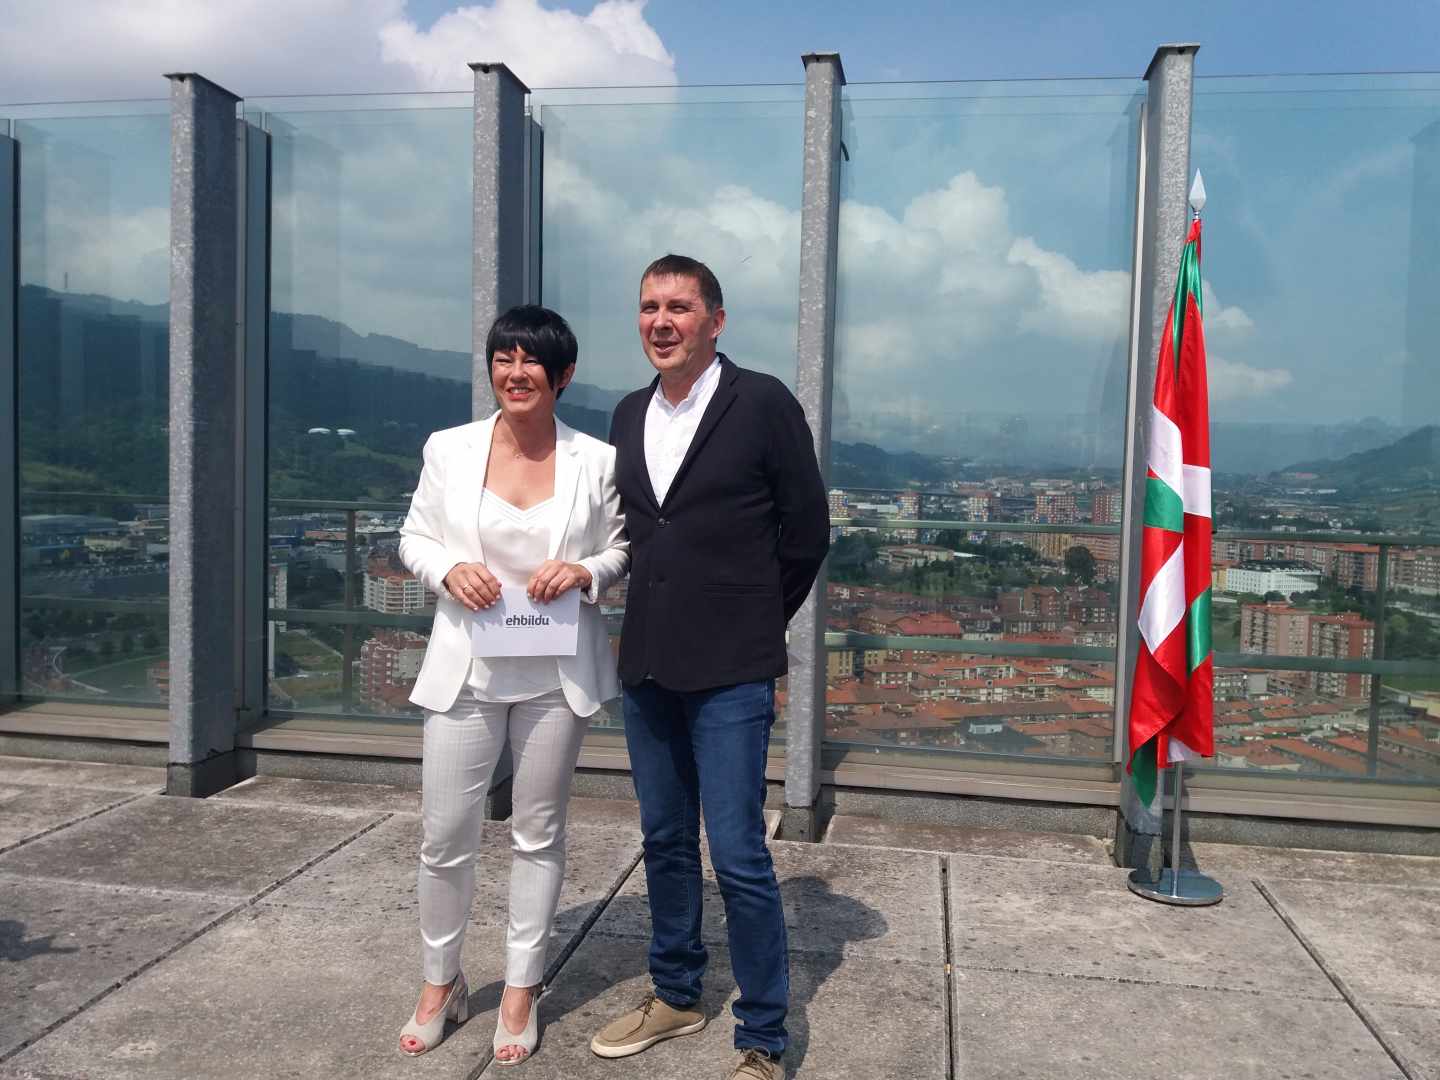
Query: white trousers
x=461, y=749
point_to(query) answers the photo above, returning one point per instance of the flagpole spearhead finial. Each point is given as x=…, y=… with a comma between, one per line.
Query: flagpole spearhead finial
x=1197, y=193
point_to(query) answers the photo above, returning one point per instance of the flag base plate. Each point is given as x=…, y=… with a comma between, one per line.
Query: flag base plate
x=1193, y=889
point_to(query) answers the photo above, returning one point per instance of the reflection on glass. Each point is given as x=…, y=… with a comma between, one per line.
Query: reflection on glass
x=94, y=373
x=625, y=183
x=979, y=410
x=369, y=353
x=1323, y=394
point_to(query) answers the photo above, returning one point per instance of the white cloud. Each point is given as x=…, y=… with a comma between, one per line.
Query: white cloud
x=1234, y=381
x=613, y=45
x=80, y=250
x=98, y=49
x=1072, y=303
x=1221, y=320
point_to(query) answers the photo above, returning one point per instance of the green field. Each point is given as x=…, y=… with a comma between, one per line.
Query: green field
x=125, y=678
x=305, y=650
x=1412, y=682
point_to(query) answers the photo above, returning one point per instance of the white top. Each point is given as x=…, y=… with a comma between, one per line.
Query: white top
x=516, y=543
x=670, y=429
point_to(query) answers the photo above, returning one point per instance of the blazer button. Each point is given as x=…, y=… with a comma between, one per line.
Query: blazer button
x=662, y=522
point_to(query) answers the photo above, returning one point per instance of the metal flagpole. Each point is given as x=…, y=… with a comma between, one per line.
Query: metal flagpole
x=1175, y=885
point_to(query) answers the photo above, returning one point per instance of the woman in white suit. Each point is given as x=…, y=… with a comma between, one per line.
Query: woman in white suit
x=518, y=500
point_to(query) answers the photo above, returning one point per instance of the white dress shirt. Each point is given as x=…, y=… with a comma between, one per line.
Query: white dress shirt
x=670, y=429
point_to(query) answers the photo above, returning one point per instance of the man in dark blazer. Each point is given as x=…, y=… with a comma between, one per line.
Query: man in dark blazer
x=728, y=523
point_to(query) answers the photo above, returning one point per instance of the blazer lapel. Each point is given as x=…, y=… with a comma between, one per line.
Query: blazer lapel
x=720, y=403
x=567, y=479
x=637, y=440
x=469, y=484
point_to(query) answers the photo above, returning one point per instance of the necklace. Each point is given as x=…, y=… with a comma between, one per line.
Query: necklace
x=517, y=453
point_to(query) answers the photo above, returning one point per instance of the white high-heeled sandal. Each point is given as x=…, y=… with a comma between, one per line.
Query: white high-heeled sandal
x=526, y=1039
x=456, y=1007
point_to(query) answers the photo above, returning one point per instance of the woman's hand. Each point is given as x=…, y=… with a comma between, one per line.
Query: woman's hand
x=554, y=578
x=473, y=585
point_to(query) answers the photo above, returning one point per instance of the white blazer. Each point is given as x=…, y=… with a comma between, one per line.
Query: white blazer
x=443, y=528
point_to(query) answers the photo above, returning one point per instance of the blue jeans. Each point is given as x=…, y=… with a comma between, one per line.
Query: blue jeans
x=707, y=748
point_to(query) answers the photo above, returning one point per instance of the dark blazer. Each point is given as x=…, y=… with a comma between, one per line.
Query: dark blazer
x=719, y=569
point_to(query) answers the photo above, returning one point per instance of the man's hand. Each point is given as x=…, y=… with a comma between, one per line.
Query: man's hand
x=473, y=585
x=554, y=578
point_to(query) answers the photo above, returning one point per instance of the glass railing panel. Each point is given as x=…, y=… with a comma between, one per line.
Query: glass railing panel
x=1319, y=232
x=369, y=352
x=93, y=388
x=980, y=399
x=632, y=174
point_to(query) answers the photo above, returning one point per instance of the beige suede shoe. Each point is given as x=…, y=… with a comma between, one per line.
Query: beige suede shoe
x=757, y=1065
x=651, y=1022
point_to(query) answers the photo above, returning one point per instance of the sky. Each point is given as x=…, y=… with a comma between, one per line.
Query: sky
x=96, y=48
x=985, y=228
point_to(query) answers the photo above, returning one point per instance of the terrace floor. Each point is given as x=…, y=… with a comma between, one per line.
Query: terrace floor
x=271, y=931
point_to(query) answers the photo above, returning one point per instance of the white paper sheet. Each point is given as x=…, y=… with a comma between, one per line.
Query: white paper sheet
x=517, y=626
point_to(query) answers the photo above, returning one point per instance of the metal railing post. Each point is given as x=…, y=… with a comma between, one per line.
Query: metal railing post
x=347, y=653
x=1372, y=739
x=204, y=358
x=814, y=383
x=1164, y=215
x=500, y=207
x=9, y=420
x=252, y=381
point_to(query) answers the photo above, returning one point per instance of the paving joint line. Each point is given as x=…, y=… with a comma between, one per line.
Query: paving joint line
x=1406, y=1067
x=1082, y=863
x=158, y=892
x=1123, y=980
x=576, y=940
x=949, y=967
x=75, y=821
x=189, y=939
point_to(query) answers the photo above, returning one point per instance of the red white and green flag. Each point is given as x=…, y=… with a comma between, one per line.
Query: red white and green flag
x=1172, y=707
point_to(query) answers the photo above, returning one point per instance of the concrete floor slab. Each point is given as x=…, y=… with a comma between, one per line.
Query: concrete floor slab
x=1371, y=937
x=1053, y=918
x=851, y=900
x=190, y=845
x=1011, y=1025
x=1282, y=864
x=29, y=811
x=276, y=994
x=62, y=944
x=1415, y=1035
x=830, y=995
x=1005, y=843
x=323, y=794
x=376, y=874
x=81, y=774
x=619, y=812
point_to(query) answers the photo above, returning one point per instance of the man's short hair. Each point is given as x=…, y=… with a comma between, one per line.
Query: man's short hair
x=684, y=266
x=539, y=332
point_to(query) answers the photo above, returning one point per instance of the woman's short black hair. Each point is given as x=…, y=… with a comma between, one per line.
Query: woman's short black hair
x=538, y=332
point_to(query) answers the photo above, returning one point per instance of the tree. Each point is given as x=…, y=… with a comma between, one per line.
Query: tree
x=1080, y=564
